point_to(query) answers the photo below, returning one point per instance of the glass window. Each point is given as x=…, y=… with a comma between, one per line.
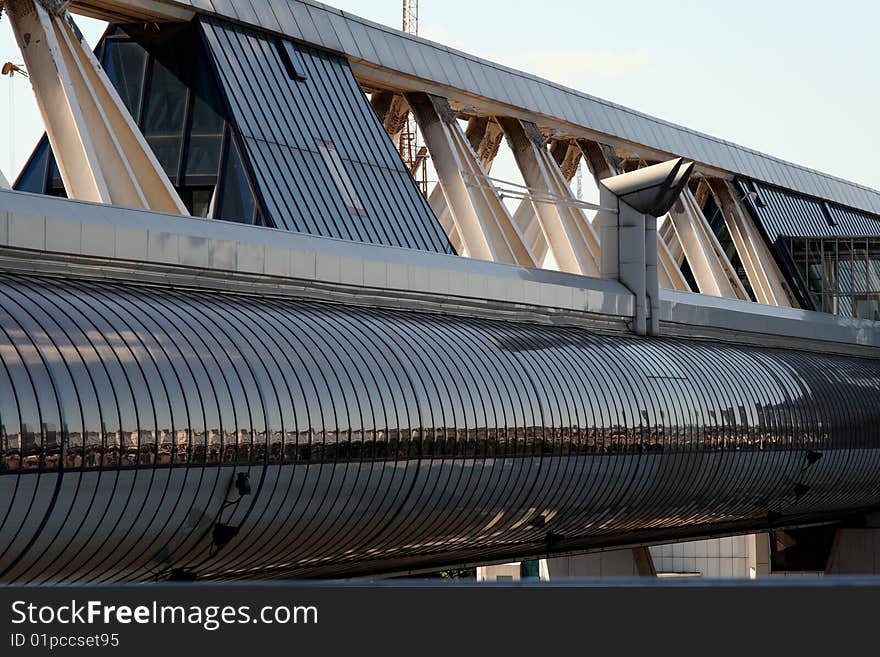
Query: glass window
x=207, y=119
x=236, y=199
x=164, y=114
x=54, y=185
x=125, y=62
x=33, y=176
x=874, y=265
x=174, y=99
x=198, y=200
x=203, y=156
x=167, y=151
x=860, y=265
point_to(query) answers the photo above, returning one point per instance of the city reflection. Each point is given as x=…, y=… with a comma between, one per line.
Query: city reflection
x=101, y=377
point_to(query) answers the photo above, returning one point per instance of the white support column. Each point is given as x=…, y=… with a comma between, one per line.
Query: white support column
x=670, y=239
x=101, y=153
x=484, y=135
x=711, y=268
x=480, y=217
x=567, y=155
x=763, y=273
x=669, y=270
x=570, y=237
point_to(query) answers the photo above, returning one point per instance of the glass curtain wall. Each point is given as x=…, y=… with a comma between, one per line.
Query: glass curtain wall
x=841, y=275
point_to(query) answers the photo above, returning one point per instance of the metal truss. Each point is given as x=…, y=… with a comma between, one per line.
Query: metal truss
x=102, y=155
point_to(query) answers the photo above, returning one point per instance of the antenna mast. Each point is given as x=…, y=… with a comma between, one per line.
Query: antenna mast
x=414, y=154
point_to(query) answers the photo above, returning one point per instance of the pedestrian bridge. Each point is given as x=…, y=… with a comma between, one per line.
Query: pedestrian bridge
x=246, y=346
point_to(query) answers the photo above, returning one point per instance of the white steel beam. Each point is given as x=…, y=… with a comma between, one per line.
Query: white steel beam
x=763, y=273
x=4, y=184
x=567, y=156
x=484, y=135
x=570, y=237
x=132, y=11
x=102, y=155
x=479, y=215
x=708, y=262
x=669, y=269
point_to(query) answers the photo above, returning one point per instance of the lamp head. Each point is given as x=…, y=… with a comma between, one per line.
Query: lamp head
x=654, y=189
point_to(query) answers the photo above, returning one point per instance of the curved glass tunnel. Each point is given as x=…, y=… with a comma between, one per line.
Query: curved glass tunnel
x=380, y=440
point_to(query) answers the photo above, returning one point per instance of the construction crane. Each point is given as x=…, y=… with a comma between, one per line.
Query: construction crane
x=414, y=154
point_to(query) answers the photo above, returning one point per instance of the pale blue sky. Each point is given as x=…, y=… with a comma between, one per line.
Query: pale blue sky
x=796, y=79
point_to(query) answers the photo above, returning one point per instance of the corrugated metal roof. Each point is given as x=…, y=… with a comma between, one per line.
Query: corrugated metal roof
x=360, y=39
x=783, y=213
x=320, y=157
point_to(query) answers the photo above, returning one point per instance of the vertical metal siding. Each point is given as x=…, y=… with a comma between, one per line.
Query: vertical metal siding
x=320, y=25
x=788, y=214
x=281, y=122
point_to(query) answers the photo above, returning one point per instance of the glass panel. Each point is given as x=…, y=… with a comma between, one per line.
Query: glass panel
x=203, y=156
x=207, y=119
x=200, y=203
x=55, y=186
x=236, y=199
x=845, y=274
x=125, y=63
x=816, y=275
x=167, y=151
x=164, y=114
x=33, y=176
x=860, y=266
x=874, y=265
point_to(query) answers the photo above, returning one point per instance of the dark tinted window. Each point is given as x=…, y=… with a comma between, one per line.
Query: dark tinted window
x=33, y=176
x=125, y=63
x=236, y=199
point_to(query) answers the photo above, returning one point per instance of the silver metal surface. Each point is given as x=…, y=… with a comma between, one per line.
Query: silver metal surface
x=109, y=241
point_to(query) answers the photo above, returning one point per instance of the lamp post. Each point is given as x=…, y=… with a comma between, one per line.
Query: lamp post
x=629, y=235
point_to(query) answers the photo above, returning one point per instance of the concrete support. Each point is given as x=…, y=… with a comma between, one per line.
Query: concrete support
x=711, y=268
x=101, y=153
x=635, y=562
x=570, y=237
x=762, y=554
x=480, y=217
x=568, y=156
x=763, y=273
x=670, y=272
x=484, y=135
